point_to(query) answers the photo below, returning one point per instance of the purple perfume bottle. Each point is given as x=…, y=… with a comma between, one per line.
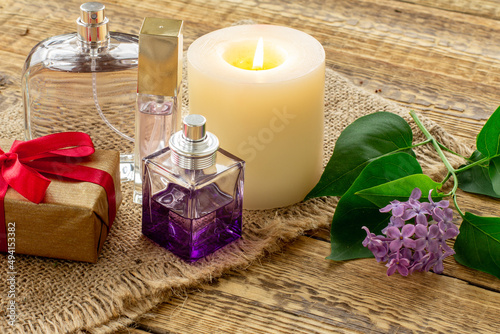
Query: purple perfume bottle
x=192, y=193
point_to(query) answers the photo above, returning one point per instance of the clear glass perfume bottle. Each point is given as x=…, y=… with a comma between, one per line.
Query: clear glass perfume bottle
x=85, y=81
x=193, y=193
x=158, y=90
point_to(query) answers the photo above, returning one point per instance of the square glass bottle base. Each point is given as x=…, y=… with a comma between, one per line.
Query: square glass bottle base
x=190, y=239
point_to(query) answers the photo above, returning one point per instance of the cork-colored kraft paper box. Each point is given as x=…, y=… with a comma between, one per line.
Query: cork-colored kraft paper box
x=72, y=220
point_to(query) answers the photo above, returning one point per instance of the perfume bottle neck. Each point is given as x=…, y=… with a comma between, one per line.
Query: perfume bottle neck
x=94, y=48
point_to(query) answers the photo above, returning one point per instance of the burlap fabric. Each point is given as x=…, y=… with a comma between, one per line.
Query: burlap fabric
x=133, y=275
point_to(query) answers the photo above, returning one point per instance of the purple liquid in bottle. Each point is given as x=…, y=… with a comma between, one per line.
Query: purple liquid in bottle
x=192, y=224
x=192, y=193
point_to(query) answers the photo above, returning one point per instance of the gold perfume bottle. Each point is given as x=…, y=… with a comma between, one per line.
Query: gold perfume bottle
x=159, y=95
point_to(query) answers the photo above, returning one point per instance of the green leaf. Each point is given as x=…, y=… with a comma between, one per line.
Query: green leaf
x=400, y=189
x=353, y=211
x=488, y=140
x=494, y=172
x=366, y=139
x=478, y=244
x=477, y=179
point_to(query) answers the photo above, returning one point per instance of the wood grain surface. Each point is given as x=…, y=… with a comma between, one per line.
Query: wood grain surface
x=441, y=57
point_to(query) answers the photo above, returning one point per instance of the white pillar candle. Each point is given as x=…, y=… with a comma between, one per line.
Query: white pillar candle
x=268, y=114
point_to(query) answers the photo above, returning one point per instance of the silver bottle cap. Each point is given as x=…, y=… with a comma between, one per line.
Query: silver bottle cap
x=92, y=23
x=193, y=147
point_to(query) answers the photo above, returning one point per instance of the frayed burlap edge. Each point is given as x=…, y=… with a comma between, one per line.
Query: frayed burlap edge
x=261, y=237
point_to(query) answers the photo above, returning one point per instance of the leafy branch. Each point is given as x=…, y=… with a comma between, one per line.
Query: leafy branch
x=374, y=163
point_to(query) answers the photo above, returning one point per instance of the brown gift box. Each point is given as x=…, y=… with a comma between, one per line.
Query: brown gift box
x=72, y=220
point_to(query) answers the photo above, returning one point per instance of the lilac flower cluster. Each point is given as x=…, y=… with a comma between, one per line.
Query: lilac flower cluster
x=414, y=247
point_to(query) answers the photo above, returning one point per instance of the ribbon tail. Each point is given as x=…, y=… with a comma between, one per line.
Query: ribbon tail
x=85, y=174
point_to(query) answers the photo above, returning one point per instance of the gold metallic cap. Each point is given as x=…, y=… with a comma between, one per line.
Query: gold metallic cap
x=160, y=57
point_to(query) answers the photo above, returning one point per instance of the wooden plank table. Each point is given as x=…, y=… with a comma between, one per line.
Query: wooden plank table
x=441, y=57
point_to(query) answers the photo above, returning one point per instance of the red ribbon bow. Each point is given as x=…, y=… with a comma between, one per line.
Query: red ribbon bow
x=22, y=167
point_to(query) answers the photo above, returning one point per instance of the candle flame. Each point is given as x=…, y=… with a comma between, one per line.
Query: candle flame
x=258, y=59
